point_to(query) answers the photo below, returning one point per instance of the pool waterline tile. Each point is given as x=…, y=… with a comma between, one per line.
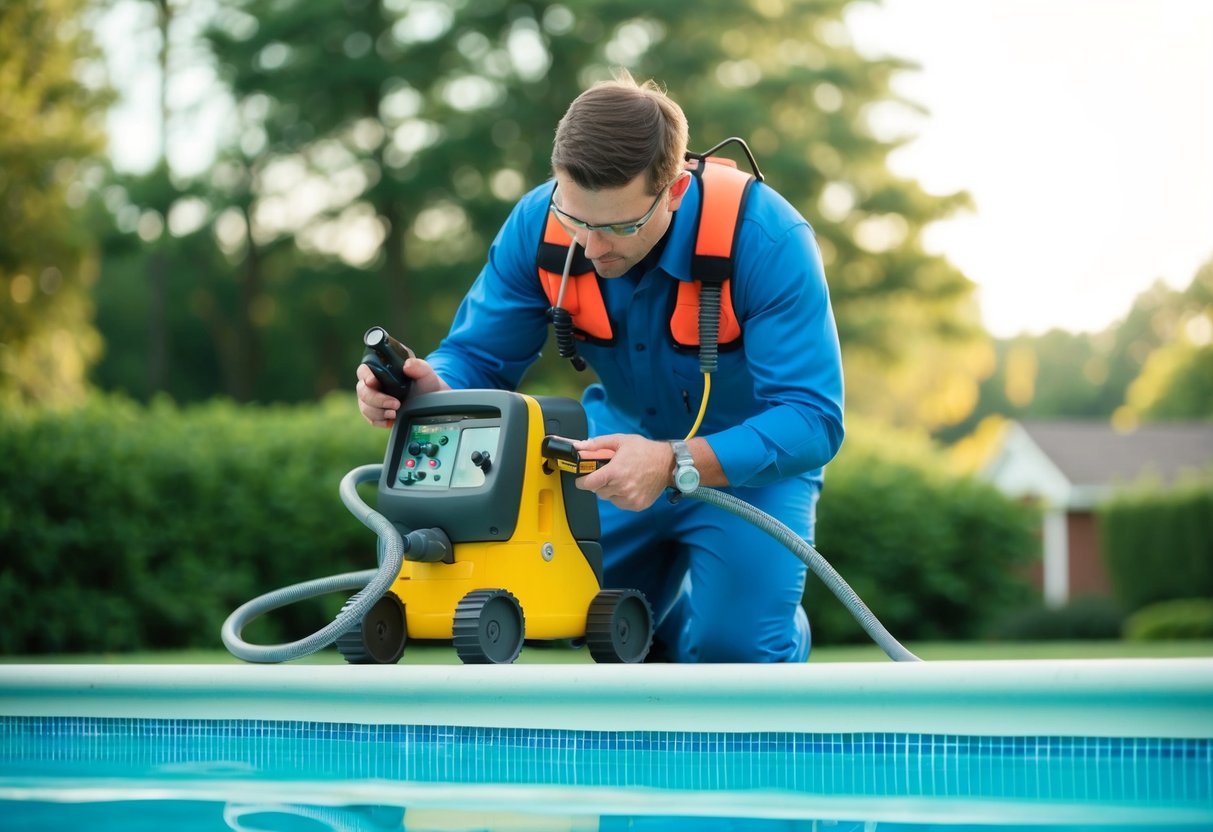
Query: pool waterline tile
x=1131, y=771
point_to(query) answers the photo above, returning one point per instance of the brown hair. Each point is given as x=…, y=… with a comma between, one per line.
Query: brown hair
x=618, y=129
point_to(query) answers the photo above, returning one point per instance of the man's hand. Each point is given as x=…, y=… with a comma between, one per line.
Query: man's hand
x=636, y=475
x=379, y=408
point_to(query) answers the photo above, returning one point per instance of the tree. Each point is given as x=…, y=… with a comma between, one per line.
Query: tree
x=786, y=75
x=1152, y=364
x=1176, y=381
x=381, y=144
x=50, y=133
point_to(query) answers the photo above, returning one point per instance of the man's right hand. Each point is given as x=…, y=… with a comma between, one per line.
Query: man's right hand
x=378, y=407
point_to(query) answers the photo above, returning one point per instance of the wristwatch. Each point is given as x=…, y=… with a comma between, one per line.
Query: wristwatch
x=686, y=475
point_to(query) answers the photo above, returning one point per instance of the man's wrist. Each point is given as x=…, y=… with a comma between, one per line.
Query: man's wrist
x=685, y=476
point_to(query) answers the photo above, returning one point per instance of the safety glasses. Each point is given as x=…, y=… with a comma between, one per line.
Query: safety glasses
x=617, y=229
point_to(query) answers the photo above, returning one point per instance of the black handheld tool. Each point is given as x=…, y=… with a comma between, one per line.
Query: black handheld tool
x=386, y=356
x=559, y=450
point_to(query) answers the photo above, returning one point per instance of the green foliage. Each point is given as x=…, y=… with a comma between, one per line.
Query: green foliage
x=141, y=527
x=49, y=130
x=1183, y=619
x=1087, y=618
x=416, y=126
x=1176, y=382
x=1156, y=364
x=129, y=527
x=1157, y=543
x=934, y=556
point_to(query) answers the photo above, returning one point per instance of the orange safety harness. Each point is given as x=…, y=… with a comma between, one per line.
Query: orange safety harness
x=702, y=306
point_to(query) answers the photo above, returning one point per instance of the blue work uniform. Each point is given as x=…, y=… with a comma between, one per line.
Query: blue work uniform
x=722, y=590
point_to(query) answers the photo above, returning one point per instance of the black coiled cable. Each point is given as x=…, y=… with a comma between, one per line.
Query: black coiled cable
x=562, y=322
x=709, y=326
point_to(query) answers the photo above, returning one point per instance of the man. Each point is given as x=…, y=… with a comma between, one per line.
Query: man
x=721, y=589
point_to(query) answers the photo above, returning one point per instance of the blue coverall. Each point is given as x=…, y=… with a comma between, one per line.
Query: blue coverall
x=722, y=590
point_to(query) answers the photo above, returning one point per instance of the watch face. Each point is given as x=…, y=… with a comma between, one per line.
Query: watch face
x=687, y=479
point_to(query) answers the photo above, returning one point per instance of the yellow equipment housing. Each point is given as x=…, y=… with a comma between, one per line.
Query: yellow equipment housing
x=525, y=560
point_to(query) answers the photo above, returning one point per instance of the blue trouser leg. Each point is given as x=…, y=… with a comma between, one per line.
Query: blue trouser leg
x=722, y=589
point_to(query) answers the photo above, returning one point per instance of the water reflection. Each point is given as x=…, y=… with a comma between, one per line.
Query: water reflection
x=216, y=816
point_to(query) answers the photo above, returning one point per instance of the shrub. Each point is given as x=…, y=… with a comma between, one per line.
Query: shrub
x=1180, y=619
x=935, y=556
x=1157, y=542
x=128, y=527
x=1083, y=618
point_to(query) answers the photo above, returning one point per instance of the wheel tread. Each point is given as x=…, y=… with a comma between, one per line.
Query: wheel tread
x=600, y=626
x=352, y=643
x=465, y=628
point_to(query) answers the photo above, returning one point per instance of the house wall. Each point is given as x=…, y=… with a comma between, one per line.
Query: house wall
x=1087, y=573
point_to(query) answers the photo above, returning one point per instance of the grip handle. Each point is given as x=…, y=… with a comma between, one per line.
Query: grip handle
x=567, y=458
x=385, y=356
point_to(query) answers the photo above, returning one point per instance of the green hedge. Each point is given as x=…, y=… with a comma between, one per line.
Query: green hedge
x=1157, y=543
x=1178, y=620
x=935, y=556
x=1087, y=618
x=128, y=527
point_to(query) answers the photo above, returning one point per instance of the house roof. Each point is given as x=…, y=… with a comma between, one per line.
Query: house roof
x=1095, y=454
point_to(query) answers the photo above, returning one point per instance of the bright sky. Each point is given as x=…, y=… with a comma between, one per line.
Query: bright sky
x=1083, y=129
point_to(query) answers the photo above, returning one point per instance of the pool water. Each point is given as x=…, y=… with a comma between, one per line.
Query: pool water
x=135, y=773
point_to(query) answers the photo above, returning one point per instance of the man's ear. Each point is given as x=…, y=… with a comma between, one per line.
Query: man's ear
x=678, y=190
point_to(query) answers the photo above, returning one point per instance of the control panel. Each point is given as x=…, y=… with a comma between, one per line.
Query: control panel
x=455, y=451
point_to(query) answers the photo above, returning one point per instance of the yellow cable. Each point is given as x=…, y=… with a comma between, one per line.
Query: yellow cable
x=703, y=405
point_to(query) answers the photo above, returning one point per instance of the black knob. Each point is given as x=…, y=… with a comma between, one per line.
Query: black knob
x=482, y=461
x=414, y=448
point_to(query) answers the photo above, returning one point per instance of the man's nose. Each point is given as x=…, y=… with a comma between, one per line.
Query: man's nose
x=595, y=244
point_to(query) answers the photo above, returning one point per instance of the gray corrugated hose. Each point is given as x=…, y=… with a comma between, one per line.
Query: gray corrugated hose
x=371, y=583
x=813, y=559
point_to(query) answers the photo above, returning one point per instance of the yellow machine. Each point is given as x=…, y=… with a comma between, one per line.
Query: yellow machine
x=485, y=540
x=523, y=561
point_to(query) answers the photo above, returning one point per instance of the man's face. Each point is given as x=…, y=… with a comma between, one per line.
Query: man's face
x=612, y=254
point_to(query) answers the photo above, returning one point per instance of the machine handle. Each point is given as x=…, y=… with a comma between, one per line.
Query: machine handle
x=385, y=356
x=561, y=451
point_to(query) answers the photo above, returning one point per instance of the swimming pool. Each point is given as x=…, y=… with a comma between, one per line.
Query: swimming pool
x=995, y=745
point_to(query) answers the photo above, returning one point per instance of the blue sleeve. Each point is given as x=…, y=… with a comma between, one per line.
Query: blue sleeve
x=791, y=351
x=502, y=322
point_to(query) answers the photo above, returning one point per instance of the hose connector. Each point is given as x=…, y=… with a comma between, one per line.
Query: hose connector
x=428, y=546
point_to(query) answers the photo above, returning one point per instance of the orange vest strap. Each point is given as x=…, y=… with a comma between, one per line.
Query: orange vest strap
x=684, y=322
x=723, y=189
x=582, y=295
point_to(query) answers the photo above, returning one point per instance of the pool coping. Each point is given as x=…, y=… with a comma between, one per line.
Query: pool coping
x=1167, y=698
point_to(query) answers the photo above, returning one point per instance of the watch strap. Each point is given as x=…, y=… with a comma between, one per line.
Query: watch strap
x=686, y=475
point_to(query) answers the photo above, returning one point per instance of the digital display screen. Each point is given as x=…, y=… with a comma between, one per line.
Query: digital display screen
x=448, y=452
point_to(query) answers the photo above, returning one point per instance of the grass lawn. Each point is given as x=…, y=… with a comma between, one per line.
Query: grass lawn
x=930, y=651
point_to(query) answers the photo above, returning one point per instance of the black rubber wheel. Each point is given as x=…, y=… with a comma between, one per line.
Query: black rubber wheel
x=619, y=626
x=380, y=636
x=489, y=627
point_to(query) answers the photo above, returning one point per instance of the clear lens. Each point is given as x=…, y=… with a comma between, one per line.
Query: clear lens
x=625, y=229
